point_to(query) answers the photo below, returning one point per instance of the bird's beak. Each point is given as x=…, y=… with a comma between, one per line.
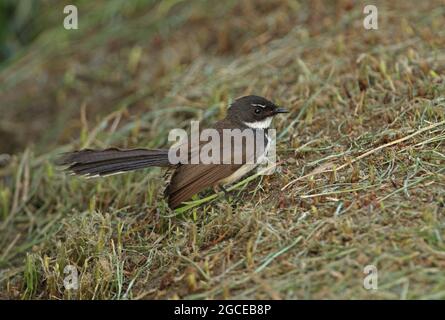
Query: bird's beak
x=281, y=110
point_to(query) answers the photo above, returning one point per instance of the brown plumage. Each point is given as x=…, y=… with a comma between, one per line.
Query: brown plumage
x=93, y=163
x=187, y=179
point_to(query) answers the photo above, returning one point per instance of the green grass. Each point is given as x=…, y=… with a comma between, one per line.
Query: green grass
x=361, y=155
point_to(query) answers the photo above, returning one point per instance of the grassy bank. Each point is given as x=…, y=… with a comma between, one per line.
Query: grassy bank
x=362, y=153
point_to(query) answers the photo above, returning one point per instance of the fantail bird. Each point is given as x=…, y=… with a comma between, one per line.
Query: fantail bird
x=249, y=113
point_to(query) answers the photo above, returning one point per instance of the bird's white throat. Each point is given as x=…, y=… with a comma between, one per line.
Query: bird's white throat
x=263, y=124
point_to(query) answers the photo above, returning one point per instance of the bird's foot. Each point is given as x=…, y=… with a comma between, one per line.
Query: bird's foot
x=231, y=200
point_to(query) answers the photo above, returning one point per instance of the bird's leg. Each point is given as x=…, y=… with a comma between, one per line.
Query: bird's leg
x=232, y=201
x=218, y=188
x=224, y=190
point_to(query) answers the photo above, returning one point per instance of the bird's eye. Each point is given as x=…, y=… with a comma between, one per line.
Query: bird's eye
x=257, y=110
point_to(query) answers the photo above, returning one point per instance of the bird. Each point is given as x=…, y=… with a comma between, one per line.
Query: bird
x=248, y=113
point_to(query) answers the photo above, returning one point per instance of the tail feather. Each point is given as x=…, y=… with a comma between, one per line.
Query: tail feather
x=111, y=161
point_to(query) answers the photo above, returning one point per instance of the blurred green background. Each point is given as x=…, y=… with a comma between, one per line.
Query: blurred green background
x=21, y=21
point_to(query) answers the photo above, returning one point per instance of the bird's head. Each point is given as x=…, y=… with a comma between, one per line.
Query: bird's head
x=254, y=111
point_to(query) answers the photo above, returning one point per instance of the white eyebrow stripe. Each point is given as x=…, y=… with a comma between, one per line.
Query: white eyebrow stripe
x=258, y=105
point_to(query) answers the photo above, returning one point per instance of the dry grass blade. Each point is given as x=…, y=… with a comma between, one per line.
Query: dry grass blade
x=330, y=167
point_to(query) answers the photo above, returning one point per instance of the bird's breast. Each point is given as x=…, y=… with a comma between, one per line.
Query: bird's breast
x=247, y=167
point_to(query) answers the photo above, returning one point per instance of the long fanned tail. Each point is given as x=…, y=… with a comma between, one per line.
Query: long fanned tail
x=93, y=163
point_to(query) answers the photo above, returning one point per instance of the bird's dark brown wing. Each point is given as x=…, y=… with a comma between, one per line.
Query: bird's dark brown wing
x=190, y=179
